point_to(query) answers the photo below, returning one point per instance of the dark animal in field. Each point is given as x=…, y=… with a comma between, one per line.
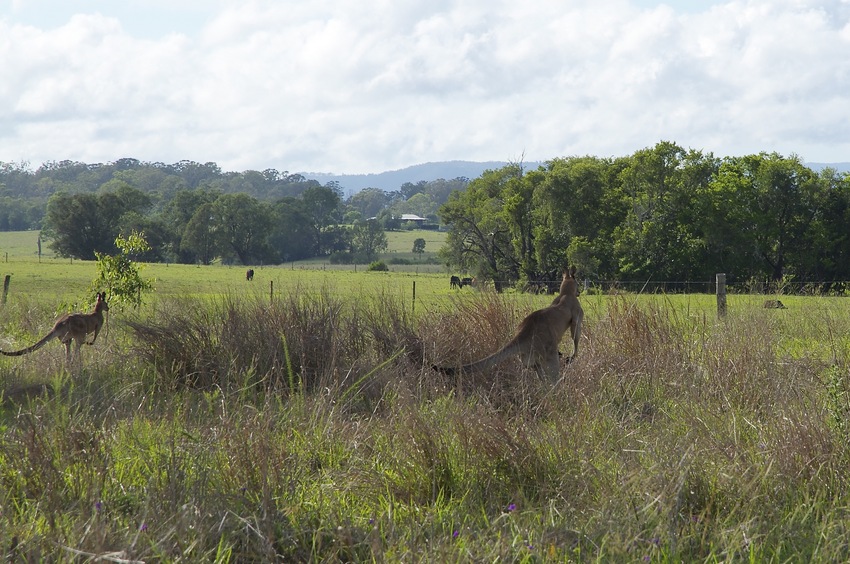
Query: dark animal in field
x=466, y=282
x=455, y=282
x=249, y=275
x=774, y=304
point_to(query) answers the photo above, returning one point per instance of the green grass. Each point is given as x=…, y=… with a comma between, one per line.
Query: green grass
x=402, y=241
x=219, y=425
x=68, y=280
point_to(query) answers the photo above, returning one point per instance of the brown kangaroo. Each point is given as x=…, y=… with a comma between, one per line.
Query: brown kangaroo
x=72, y=327
x=539, y=334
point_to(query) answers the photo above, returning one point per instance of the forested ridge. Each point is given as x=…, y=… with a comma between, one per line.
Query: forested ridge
x=662, y=213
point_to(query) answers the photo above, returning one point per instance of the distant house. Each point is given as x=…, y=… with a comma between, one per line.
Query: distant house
x=412, y=217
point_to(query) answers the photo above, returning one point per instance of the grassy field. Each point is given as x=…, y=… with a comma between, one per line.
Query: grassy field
x=217, y=424
x=68, y=280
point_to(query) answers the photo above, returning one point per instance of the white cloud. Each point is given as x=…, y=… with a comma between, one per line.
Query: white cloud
x=339, y=86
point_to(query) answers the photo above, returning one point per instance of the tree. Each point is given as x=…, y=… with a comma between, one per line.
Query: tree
x=660, y=237
x=766, y=206
x=80, y=226
x=119, y=275
x=199, y=238
x=419, y=246
x=322, y=205
x=480, y=227
x=368, y=240
x=420, y=204
x=242, y=223
x=369, y=202
x=176, y=216
x=292, y=233
x=578, y=198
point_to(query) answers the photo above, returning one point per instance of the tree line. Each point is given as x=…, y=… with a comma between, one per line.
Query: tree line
x=195, y=213
x=664, y=213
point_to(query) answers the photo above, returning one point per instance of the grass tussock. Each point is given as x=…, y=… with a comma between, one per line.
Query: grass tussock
x=312, y=428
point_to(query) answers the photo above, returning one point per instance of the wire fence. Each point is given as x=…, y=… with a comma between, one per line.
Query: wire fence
x=801, y=288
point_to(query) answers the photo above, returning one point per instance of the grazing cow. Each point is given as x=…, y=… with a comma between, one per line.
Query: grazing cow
x=455, y=282
x=774, y=304
x=466, y=282
x=249, y=275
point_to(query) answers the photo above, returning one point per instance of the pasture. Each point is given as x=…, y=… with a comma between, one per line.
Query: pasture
x=222, y=423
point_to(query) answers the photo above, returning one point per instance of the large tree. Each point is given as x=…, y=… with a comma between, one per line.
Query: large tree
x=243, y=223
x=481, y=230
x=80, y=225
x=323, y=205
x=367, y=240
x=292, y=232
x=199, y=238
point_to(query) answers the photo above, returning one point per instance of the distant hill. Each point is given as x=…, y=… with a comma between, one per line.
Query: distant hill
x=448, y=170
x=393, y=179
x=840, y=167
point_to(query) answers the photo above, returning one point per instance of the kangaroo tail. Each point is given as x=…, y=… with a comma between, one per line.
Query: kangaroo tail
x=31, y=348
x=481, y=365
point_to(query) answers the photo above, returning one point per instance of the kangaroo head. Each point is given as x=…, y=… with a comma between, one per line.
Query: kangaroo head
x=569, y=286
x=101, y=302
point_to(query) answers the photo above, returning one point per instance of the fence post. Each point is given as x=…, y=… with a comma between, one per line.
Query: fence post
x=271, y=290
x=721, y=295
x=414, y=296
x=6, y=288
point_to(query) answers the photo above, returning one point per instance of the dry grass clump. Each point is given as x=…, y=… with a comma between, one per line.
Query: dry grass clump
x=311, y=341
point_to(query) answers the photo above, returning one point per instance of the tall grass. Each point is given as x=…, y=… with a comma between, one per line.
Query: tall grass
x=312, y=428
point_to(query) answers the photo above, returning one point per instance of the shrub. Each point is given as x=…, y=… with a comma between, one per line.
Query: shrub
x=378, y=265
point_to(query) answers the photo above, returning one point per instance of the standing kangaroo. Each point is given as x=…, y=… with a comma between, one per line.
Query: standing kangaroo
x=72, y=327
x=538, y=336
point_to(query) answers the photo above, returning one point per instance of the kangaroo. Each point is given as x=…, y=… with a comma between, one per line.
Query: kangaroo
x=539, y=334
x=72, y=327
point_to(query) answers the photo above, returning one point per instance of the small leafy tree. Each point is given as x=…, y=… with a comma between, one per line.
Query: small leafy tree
x=419, y=246
x=119, y=275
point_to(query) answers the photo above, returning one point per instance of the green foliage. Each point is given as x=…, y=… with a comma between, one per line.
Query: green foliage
x=119, y=275
x=419, y=245
x=368, y=240
x=663, y=213
x=378, y=266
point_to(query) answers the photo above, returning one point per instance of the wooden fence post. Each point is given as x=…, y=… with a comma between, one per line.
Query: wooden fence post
x=6, y=288
x=721, y=295
x=414, y=296
x=271, y=290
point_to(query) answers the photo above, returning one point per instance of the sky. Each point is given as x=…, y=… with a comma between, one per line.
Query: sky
x=346, y=87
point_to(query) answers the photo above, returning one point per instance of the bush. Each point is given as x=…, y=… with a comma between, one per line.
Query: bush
x=378, y=265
